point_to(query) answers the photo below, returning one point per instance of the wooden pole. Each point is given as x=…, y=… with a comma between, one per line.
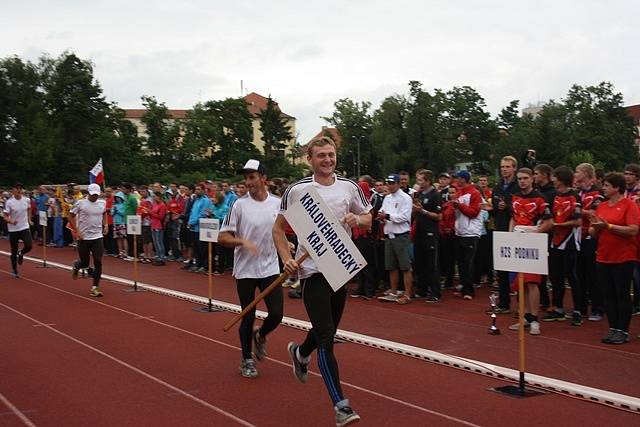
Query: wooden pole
x=135, y=262
x=210, y=305
x=281, y=278
x=521, y=329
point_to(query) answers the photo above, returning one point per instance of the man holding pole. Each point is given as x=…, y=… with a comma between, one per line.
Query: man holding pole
x=17, y=214
x=324, y=305
x=247, y=228
x=89, y=218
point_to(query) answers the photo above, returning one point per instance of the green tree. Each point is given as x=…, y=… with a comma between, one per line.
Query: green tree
x=275, y=134
x=163, y=135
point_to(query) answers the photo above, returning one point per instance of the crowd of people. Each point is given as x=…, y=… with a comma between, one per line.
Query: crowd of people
x=417, y=239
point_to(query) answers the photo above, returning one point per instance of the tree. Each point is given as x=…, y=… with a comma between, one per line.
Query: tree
x=275, y=133
x=356, y=152
x=163, y=136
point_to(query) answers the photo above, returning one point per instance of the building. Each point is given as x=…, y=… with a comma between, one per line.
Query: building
x=634, y=112
x=255, y=104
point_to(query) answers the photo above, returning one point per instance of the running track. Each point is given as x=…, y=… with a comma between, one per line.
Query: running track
x=146, y=359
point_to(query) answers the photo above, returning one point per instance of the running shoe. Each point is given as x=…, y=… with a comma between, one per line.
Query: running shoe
x=95, y=292
x=248, y=368
x=346, y=416
x=299, y=368
x=553, y=316
x=576, y=319
x=595, y=316
x=467, y=297
x=535, y=328
x=15, y=274
x=259, y=346
x=619, y=337
x=20, y=257
x=431, y=299
x=516, y=326
x=607, y=338
x=74, y=271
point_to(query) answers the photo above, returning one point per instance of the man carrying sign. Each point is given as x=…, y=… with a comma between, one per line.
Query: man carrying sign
x=247, y=228
x=324, y=305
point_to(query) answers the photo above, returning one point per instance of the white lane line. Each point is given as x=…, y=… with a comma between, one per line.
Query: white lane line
x=16, y=411
x=131, y=367
x=48, y=324
x=224, y=344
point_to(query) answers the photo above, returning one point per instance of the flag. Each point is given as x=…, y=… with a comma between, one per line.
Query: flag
x=96, y=175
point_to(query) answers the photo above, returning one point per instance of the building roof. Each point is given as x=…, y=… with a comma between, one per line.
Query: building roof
x=256, y=103
x=634, y=111
x=137, y=113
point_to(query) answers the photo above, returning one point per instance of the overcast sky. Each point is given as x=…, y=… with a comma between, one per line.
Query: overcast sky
x=309, y=54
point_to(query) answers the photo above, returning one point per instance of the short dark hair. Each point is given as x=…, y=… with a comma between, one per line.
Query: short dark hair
x=633, y=168
x=525, y=170
x=426, y=174
x=616, y=179
x=18, y=185
x=127, y=186
x=191, y=187
x=544, y=169
x=600, y=173
x=564, y=174
x=403, y=173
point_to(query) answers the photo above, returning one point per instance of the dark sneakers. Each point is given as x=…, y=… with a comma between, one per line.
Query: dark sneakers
x=576, y=319
x=346, y=416
x=74, y=271
x=259, y=345
x=299, y=368
x=20, y=257
x=554, y=316
x=616, y=336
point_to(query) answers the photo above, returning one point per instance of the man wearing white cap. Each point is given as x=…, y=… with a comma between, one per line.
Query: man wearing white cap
x=247, y=228
x=89, y=218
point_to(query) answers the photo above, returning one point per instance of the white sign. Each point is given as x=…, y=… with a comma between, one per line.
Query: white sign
x=209, y=229
x=134, y=224
x=324, y=238
x=42, y=218
x=520, y=252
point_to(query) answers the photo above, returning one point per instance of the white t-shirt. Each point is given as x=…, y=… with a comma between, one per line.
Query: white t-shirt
x=342, y=197
x=398, y=205
x=89, y=217
x=253, y=220
x=18, y=210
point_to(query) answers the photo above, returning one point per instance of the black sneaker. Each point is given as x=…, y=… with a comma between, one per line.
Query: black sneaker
x=20, y=257
x=635, y=311
x=431, y=299
x=346, y=416
x=299, y=368
x=259, y=345
x=619, y=337
x=607, y=338
x=74, y=271
x=576, y=319
x=553, y=316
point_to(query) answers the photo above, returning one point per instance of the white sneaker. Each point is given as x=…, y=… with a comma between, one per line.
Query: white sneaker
x=535, y=328
x=516, y=326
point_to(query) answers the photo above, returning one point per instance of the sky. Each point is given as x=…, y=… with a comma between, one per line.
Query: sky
x=307, y=55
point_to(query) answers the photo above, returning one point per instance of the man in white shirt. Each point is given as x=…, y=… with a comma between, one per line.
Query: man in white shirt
x=17, y=214
x=396, y=213
x=324, y=305
x=89, y=218
x=247, y=228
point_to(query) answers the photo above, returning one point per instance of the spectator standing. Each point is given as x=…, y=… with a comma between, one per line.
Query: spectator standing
x=615, y=225
x=109, y=241
x=130, y=208
x=145, y=205
x=427, y=211
x=542, y=179
x=468, y=226
x=632, y=191
x=501, y=203
x=565, y=244
x=120, y=224
x=158, y=216
x=175, y=207
x=202, y=208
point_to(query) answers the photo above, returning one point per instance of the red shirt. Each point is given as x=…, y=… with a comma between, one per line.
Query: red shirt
x=590, y=200
x=613, y=248
x=566, y=206
x=108, y=206
x=175, y=206
x=528, y=209
x=157, y=214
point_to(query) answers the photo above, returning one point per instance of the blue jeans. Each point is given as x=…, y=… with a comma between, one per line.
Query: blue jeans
x=158, y=244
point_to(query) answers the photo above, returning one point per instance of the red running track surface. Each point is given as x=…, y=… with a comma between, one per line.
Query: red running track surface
x=146, y=359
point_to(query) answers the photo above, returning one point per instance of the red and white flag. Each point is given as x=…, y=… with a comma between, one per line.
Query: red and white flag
x=96, y=175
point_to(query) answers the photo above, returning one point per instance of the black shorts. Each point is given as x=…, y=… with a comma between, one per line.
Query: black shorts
x=146, y=234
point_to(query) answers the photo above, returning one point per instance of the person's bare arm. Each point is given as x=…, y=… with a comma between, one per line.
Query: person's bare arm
x=282, y=245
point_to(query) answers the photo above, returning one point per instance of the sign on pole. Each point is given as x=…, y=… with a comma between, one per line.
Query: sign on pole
x=520, y=252
x=324, y=238
x=209, y=229
x=42, y=218
x=134, y=225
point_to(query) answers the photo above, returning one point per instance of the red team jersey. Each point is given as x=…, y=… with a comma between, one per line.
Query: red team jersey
x=529, y=209
x=590, y=200
x=613, y=248
x=566, y=206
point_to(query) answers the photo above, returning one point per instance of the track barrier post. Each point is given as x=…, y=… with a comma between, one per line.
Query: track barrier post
x=42, y=221
x=209, y=228
x=134, y=227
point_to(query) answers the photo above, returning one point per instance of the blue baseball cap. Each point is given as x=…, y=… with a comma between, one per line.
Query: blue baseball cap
x=464, y=174
x=394, y=177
